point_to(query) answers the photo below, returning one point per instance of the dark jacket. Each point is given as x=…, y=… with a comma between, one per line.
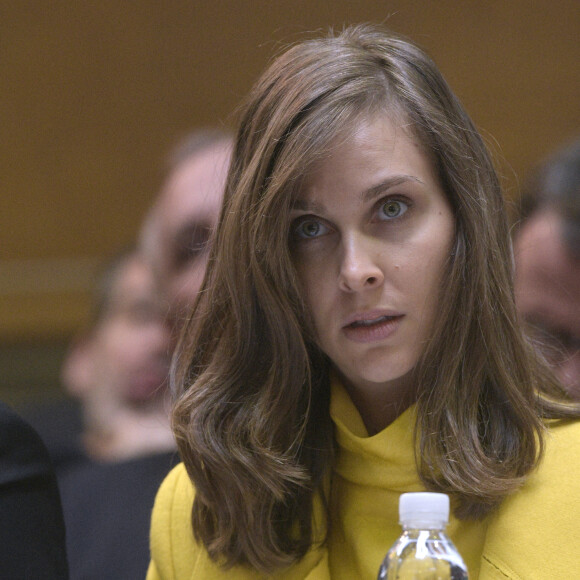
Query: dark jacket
x=107, y=509
x=32, y=533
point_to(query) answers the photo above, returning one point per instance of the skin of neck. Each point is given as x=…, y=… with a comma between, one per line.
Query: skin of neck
x=380, y=406
x=129, y=433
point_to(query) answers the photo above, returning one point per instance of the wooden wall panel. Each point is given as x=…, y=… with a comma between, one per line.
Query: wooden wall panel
x=93, y=94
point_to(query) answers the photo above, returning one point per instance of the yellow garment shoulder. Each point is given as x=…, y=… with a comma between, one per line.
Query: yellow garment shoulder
x=533, y=534
x=175, y=555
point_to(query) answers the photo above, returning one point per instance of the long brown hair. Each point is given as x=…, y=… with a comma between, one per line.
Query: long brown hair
x=251, y=417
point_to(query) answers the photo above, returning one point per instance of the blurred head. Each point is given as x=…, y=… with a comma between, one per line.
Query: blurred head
x=178, y=229
x=547, y=255
x=122, y=359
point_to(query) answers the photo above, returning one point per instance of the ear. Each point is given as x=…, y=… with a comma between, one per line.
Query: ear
x=77, y=369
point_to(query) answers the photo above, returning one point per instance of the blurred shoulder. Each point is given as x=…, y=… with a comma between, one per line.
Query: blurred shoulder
x=11, y=424
x=23, y=455
x=32, y=535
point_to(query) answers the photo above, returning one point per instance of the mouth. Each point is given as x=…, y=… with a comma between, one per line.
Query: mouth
x=370, y=321
x=372, y=327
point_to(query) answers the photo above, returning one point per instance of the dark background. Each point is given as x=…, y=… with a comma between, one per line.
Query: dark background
x=92, y=95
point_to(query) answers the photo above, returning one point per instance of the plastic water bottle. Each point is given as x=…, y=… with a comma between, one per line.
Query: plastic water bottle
x=423, y=551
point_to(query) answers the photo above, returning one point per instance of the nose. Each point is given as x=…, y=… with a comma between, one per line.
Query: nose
x=156, y=338
x=359, y=268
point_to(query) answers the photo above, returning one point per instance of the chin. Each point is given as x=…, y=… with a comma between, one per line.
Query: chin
x=378, y=378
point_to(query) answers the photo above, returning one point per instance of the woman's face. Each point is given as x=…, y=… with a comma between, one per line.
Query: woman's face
x=370, y=236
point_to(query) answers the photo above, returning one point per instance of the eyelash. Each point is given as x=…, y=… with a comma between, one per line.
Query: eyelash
x=301, y=221
x=383, y=202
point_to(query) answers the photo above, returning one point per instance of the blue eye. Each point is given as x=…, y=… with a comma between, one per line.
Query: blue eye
x=391, y=209
x=309, y=228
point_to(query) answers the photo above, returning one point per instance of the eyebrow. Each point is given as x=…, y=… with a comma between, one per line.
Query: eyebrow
x=393, y=181
x=367, y=195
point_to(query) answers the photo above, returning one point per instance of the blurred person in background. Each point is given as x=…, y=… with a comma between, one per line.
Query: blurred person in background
x=111, y=462
x=118, y=370
x=547, y=256
x=32, y=533
x=176, y=233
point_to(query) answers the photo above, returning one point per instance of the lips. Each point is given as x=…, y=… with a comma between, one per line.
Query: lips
x=370, y=317
x=371, y=321
x=371, y=327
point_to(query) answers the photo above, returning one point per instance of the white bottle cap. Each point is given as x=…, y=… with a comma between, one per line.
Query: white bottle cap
x=424, y=509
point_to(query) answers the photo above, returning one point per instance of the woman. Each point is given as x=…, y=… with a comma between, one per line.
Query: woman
x=356, y=338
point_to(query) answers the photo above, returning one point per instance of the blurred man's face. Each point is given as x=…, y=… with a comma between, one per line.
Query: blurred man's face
x=130, y=345
x=548, y=293
x=184, y=218
x=123, y=361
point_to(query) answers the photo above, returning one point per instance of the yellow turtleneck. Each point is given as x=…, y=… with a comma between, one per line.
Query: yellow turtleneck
x=370, y=475
x=531, y=537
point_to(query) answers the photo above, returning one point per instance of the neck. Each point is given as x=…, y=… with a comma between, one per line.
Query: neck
x=129, y=434
x=379, y=405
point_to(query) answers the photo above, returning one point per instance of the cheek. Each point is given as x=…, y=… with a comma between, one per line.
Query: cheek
x=124, y=350
x=432, y=271
x=425, y=272
x=312, y=284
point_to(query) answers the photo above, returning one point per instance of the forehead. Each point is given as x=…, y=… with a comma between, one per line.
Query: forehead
x=194, y=188
x=547, y=275
x=380, y=144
